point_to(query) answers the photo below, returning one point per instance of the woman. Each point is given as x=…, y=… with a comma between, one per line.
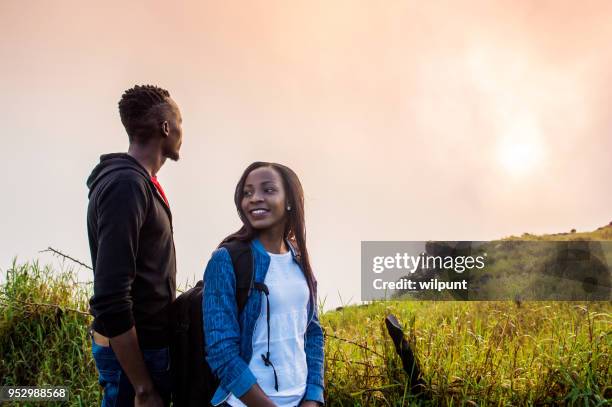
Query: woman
x=271, y=353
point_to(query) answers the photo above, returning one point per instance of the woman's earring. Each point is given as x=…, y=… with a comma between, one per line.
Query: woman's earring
x=288, y=207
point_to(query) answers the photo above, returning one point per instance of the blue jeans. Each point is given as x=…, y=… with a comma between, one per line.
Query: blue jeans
x=118, y=391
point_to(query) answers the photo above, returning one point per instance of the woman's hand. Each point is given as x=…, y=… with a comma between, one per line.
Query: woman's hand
x=256, y=397
x=309, y=403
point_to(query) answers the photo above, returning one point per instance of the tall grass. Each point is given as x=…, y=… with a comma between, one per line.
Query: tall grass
x=479, y=353
x=43, y=344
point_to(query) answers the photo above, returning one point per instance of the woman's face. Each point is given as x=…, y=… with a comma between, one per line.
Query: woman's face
x=263, y=198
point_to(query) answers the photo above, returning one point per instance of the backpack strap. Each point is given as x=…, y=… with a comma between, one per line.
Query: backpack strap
x=242, y=260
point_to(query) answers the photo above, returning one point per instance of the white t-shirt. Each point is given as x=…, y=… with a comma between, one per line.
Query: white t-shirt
x=289, y=296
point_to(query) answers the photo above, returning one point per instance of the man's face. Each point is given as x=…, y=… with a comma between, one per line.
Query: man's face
x=174, y=136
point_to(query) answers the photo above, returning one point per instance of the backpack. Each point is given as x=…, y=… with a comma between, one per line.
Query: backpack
x=193, y=380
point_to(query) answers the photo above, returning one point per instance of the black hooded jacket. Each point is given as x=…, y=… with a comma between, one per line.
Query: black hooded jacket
x=132, y=251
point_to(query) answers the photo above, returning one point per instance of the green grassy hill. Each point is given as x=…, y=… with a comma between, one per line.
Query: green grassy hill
x=472, y=353
x=477, y=353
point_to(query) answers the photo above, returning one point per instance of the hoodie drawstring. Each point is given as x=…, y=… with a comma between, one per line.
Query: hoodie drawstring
x=266, y=358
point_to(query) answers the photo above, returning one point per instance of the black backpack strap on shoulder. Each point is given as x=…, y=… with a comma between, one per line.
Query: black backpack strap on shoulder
x=242, y=260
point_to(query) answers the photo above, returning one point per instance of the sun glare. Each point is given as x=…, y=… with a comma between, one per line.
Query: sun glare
x=520, y=148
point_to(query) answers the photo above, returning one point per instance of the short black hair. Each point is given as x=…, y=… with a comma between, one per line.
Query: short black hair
x=136, y=104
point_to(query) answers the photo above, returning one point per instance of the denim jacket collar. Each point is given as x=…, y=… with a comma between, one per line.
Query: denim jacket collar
x=256, y=244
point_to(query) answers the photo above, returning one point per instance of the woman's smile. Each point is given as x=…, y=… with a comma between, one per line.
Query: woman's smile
x=259, y=213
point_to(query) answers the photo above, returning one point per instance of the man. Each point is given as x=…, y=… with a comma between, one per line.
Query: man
x=132, y=249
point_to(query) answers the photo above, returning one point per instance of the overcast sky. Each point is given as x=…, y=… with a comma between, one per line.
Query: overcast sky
x=414, y=120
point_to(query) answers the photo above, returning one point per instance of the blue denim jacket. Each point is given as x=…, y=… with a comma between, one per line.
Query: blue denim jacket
x=228, y=336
